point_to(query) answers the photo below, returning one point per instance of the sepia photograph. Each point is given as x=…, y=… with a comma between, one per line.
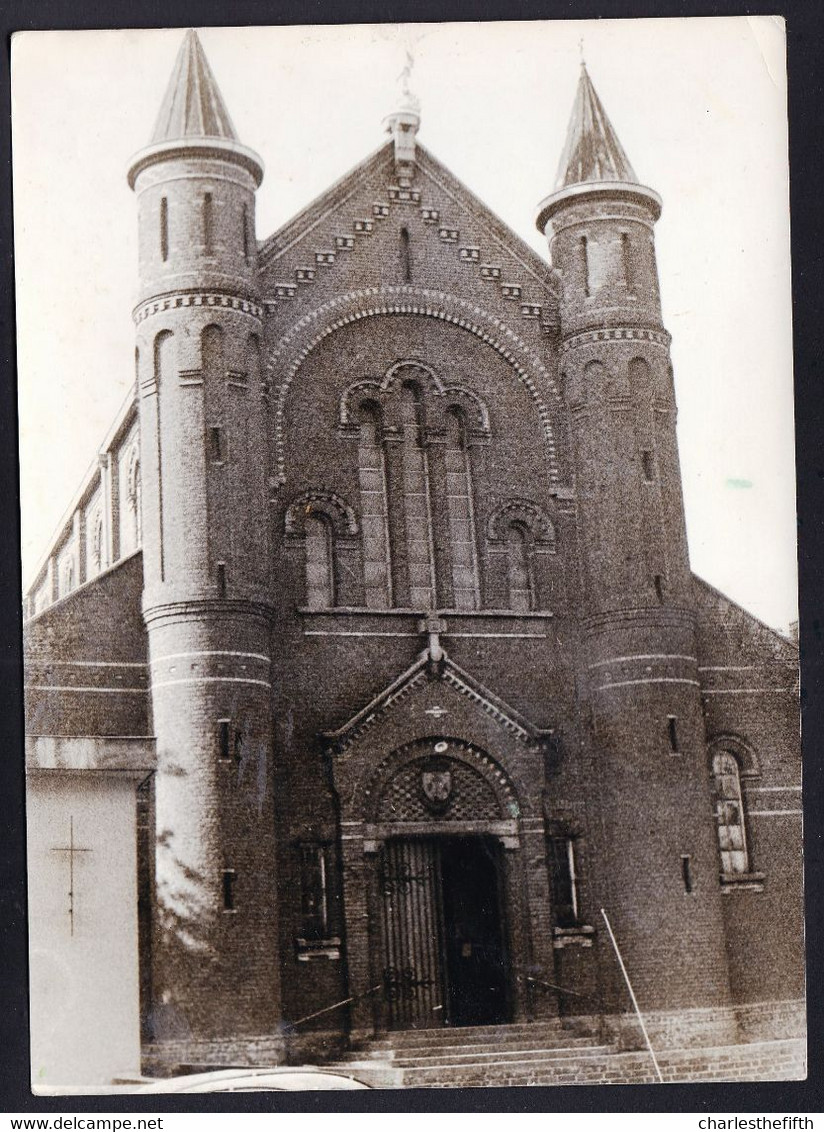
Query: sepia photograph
x=409, y=550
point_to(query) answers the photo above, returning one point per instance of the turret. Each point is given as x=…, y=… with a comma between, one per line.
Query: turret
x=207, y=561
x=652, y=776
x=615, y=367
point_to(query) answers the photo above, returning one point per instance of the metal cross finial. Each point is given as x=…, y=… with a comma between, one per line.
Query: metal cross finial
x=581, y=50
x=409, y=101
x=71, y=849
x=405, y=74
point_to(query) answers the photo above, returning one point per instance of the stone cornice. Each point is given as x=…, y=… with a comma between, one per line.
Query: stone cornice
x=616, y=334
x=206, y=299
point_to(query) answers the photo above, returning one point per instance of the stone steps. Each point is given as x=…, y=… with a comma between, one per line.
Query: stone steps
x=508, y=1047
x=476, y=1035
x=546, y=1054
x=488, y=1056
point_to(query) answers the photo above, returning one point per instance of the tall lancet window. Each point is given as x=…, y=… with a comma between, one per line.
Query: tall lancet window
x=320, y=577
x=374, y=518
x=416, y=502
x=465, y=588
x=729, y=812
x=518, y=568
x=133, y=495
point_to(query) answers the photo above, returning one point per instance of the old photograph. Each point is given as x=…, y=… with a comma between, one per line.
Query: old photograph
x=409, y=545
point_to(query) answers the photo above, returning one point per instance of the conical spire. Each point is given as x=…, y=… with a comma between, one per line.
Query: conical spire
x=592, y=151
x=193, y=106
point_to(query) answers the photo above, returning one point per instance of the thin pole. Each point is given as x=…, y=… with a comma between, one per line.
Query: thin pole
x=335, y=1005
x=632, y=996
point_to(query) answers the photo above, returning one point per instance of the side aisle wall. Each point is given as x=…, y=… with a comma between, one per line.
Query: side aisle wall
x=749, y=676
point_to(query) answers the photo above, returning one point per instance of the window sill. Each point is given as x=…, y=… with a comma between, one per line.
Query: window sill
x=317, y=948
x=572, y=937
x=738, y=882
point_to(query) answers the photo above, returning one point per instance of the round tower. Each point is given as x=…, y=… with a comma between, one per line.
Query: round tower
x=658, y=858
x=206, y=560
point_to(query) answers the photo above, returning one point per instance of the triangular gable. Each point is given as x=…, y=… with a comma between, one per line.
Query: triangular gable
x=304, y=221
x=380, y=164
x=496, y=228
x=422, y=672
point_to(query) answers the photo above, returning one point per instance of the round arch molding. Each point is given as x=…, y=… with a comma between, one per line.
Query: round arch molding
x=438, y=779
x=290, y=353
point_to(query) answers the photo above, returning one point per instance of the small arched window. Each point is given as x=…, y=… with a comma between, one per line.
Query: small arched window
x=97, y=543
x=518, y=568
x=627, y=263
x=68, y=577
x=564, y=879
x=406, y=255
x=584, y=256
x=134, y=495
x=164, y=229
x=729, y=813
x=208, y=224
x=248, y=234
x=320, y=557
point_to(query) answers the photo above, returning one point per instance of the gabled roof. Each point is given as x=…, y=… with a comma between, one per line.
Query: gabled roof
x=748, y=634
x=592, y=151
x=193, y=107
x=445, y=669
x=429, y=168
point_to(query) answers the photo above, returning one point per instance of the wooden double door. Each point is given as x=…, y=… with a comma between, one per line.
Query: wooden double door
x=443, y=933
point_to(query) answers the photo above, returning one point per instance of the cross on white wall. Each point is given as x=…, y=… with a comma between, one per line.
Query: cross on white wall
x=71, y=849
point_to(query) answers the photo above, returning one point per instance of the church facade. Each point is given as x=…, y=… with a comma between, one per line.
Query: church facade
x=387, y=563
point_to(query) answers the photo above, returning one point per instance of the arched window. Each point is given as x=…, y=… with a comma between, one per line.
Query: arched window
x=325, y=528
x=626, y=263
x=68, y=577
x=416, y=501
x=406, y=255
x=208, y=223
x=374, y=517
x=729, y=813
x=415, y=441
x=584, y=256
x=320, y=557
x=97, y=542
x=134, y=495
x=564, y=879
x=466, y=594
x=519, y=573
x=248, y=234
x=164, y=229
x=640, y=377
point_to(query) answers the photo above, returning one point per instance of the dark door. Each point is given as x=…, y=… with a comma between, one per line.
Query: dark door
x=413, y=976
x=475, y=965
x=444, y=958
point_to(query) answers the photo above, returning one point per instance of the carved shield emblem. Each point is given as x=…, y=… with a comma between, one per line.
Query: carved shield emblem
x=437, y=787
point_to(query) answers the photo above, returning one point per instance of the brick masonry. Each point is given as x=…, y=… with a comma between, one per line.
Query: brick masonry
x=255, y=367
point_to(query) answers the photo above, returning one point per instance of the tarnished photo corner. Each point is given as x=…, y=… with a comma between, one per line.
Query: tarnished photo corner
x=376, y=722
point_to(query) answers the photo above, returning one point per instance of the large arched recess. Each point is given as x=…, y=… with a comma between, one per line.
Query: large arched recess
x=466, y=344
